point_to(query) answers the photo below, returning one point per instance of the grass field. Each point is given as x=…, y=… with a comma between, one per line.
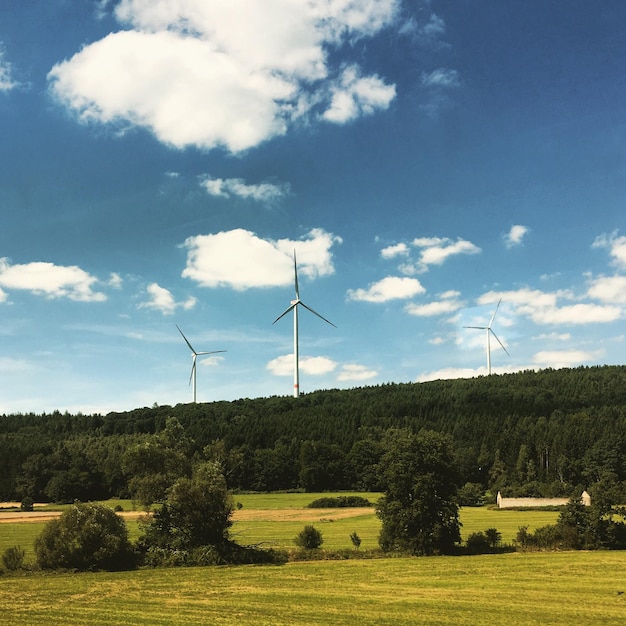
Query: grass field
x=581, y=588
x=515, y=589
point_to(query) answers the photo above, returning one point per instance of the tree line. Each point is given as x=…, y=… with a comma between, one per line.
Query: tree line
x=551, y=432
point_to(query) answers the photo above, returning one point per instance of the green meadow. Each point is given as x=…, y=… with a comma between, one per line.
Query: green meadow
x=513, y=588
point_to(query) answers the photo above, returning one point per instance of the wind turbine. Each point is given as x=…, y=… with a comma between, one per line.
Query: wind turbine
x=194, y=355
x=294, y=306
x=489, y=331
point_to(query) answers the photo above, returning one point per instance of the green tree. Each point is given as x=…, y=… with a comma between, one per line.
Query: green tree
x=309, y=538
x=419, y=510
x=85, y=537
x=197, y=512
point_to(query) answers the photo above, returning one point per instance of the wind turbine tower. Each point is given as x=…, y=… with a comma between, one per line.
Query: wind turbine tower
x=294, y=307
x=489, y=331
x=194, y=356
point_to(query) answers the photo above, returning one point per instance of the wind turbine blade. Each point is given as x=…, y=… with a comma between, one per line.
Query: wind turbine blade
x=477, y=327
x=316, y=313
x=212, y=352
x=498, y=340
x=186, y=340
x=493, y=317
x=285, y=312
x=295, y=275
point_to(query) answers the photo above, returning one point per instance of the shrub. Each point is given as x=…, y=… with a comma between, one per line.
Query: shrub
x=309, y=538
x=339, y=502
x=13, y=558
x=27, y=504
x=356, y=540
x=85, y=537
x=477, y=543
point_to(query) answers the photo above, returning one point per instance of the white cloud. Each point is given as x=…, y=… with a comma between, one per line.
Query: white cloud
x=52, y=281
x=616, y=246
x=451, y=373
x=608, y=289
x=210, y=73
x=352, y=371
x=515, y=235
x=400, y=249
x=545, y=308
x=162, y=300
x=554, y=337
x=6, y=81
x=429, y=309
x=354, y=96
x=225, y=188
x=565, y=358
x=389, y=288
x=441, y=77
x=115, y=281
x=312, y=365
x=241, y=260
x=436, y=250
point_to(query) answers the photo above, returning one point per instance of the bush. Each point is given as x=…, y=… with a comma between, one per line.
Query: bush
x=356, y=540
x=13, y=558
x=339, y=502
x=87, y=537
x=309, y=538
x=27, y=504
x=477, y=543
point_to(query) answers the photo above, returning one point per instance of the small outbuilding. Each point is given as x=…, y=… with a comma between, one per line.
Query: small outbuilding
x=516, y=503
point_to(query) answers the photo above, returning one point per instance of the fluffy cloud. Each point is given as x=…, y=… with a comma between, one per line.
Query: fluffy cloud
x=52, y=281
x=616, y=246
x=241, y=260
x=162, y=300
x=390, y=252
x=545, y=308
x=312, y=365
x=436, y=250
x=565, y=358
x=608, y=289
x=225, y=188
x=231, y=74
x=354, y=96
x=515, y=235
x=390, y=288
x=354, y=372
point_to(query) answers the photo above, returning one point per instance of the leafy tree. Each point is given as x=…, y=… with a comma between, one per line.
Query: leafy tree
x=196, y=512
x=419, y=510
x=85, y=537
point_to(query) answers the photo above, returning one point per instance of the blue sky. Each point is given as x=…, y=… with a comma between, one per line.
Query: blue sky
x=160, y=162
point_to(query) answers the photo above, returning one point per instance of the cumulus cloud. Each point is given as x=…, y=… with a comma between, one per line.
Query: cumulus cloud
x=50, y=280
x=548, y=308
x=354, y=96
x=162, y=300
x=608, y=289
x=241, y=260
x=390, y=252
x=616, y=246
x=515, y=236
x=436, y=250
x=389, y=288
x=261, y=192
x=312, y=365
x=210, y=74
x=354, y=372
x=565, y=358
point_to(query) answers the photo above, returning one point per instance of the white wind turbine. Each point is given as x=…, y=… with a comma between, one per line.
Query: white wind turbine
x=294, y=306
x=194, y=355
x=489, y=331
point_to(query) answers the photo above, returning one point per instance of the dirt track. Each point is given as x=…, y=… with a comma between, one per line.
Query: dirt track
x=307, y=515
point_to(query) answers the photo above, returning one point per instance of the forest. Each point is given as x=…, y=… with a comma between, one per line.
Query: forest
x=548, y=432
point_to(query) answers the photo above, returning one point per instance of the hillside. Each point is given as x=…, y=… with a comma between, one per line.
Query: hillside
x=555, y=428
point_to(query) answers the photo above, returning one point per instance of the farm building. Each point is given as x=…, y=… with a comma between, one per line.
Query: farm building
x=514, y=503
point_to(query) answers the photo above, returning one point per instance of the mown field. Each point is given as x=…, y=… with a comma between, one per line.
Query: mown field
x=513, y=589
